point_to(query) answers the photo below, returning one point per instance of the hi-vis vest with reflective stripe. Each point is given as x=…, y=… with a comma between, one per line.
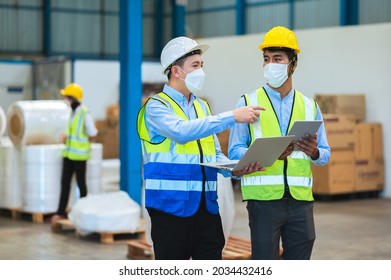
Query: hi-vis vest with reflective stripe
x=77, y=146
x=296, y=170
x=174, y=179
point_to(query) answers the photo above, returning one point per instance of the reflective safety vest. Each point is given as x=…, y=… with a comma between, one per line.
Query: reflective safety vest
x=174, y=179
x=296, y=170
x=77, y=145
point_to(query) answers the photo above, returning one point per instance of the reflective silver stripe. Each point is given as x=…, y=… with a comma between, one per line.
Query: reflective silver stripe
x=299, y=155
x=253, y=98
x=172, y=157
x=309, y=108
x=263, y=180
x=277, y=180
x=299, y=181
x=175, y=185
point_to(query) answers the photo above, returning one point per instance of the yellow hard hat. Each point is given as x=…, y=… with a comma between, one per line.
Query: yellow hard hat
x=280, y=36
x=73, y=90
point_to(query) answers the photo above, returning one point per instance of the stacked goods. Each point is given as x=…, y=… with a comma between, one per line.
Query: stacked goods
x=10, y=175
x=337, y=177
x=37, y=122
x=356, y=162
x=31, y=159
x=369, y=160
x=32, y=156
x=41, y=172
x=108, y=132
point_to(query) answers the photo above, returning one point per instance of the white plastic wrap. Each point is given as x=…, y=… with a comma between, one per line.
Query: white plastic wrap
x=10, y=175
x=106, y=212
x=37, y=122
x=42, y=166
x=3, y=122
x=94, y=169
x=226, y=202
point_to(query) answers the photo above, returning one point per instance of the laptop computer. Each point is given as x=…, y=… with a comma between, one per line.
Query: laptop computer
x=301, y=128
x=265, y=150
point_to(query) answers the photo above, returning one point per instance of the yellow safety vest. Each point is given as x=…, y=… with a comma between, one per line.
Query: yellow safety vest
x=77, y=145
x=174, y=178
x=296, y=170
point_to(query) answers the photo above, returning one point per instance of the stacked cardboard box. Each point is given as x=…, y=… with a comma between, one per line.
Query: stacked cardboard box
x=369, y=160
x=356, y=162
x=341, y=104
x=108, y=132
x=338, y=176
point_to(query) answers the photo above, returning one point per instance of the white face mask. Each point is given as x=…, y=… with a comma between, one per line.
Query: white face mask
x=276, y=74
x=68, y=101
x=194, y=80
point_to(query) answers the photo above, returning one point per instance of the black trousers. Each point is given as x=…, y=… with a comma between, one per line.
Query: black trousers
x=287, y=220
x=70, y=167
x=199, y=237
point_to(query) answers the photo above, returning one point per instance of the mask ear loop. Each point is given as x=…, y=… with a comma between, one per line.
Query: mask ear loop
x=292, y=64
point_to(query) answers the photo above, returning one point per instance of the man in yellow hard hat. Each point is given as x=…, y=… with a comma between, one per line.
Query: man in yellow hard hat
x=177, y=133
x=279, y=198
x=79, y=133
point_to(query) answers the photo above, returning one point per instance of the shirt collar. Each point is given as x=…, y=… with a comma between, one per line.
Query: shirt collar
x=177, y=96
x=276, y=94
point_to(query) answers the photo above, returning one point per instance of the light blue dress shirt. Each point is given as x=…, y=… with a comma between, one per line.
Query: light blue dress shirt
x=164, y=123
x=239, y=139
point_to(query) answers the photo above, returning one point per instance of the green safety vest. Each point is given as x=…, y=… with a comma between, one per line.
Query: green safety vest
x=296, y=170
x=77, y=145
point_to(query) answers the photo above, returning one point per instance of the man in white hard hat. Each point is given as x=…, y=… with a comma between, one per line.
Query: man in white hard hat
x=177, y=133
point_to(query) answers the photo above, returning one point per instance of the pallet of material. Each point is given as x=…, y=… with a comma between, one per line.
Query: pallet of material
x=17, y=213
x=237, y=248
x=105, y=237
x=13, y=212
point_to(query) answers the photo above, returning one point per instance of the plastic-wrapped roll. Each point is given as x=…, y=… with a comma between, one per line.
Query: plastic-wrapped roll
x=42, y=165
x=3, y=122
x=37, y=122
x=10, y=182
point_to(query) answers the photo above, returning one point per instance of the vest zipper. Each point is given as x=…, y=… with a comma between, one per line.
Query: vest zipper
x=286, y=186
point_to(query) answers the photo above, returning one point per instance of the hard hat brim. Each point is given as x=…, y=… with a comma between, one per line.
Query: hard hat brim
x=262, y=47
x=63, y=92
x=203, y=48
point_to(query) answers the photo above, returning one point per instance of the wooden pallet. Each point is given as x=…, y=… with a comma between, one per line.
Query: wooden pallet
x=105, y=237
x=237, y=248
x=13, y=212
x=17, y=213
x=62, y=225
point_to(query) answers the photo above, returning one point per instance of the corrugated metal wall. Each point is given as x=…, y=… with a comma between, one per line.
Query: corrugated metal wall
x=90, y=28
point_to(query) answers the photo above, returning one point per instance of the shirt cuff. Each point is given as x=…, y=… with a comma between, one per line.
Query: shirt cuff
x=227, y=119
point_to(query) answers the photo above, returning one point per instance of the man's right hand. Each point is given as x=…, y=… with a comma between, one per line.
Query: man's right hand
x=247, y=114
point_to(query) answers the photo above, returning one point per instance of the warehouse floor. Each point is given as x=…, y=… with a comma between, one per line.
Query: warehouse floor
x=347, y=229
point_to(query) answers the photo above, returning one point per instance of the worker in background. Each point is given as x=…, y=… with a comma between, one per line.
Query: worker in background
x=177, y=133
x=279, y=198
x=79, y=133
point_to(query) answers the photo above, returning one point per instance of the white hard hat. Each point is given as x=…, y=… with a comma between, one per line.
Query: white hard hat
x=177, y=48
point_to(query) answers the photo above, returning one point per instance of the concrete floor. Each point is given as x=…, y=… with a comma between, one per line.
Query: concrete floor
x=347, y=229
